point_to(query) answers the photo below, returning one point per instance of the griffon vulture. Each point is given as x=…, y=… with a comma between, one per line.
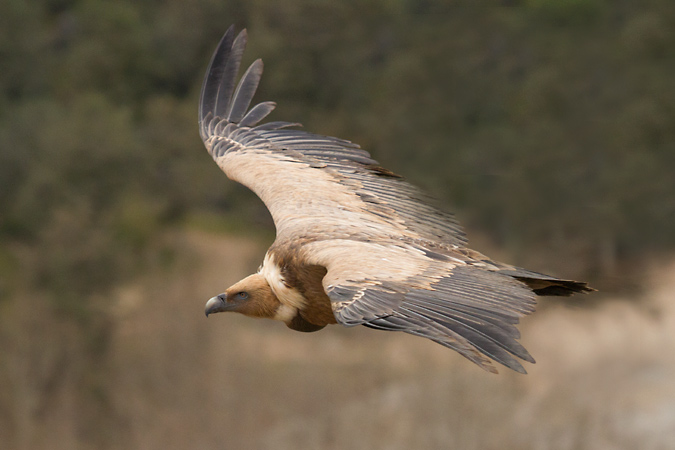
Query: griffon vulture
x=356, y=244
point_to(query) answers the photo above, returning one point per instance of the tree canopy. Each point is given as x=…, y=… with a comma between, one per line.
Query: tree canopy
x=550, y=127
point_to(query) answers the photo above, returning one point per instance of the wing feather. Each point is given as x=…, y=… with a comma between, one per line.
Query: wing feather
x=223, y=103
x=214, y=79
x=257, y=113
x=244, y=93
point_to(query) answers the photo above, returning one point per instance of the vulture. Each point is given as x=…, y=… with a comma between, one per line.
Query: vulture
x=355, y=243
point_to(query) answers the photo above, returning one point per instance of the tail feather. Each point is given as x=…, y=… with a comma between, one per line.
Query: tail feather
x=543, y=284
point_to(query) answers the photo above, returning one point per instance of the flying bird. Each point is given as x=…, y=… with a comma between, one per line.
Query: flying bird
x=356, y=244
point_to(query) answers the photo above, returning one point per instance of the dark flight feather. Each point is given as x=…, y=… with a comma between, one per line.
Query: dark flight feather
x=257, y=113
x=214, y=76
x=244, y=92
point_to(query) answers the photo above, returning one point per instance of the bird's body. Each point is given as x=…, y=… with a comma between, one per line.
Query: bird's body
x=356, y=244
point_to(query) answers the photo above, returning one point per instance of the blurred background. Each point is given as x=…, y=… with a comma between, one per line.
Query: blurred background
x=547, y=126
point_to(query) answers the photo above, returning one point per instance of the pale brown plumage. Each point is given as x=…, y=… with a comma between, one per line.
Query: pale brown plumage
x=356, y=244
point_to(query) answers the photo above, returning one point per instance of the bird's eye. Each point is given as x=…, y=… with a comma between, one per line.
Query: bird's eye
x=242, y=295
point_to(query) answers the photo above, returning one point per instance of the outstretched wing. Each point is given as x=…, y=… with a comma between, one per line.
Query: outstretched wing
x=313, y=185
x=400, y=287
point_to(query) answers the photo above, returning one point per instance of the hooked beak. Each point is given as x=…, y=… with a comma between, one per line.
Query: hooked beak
x=216, y=304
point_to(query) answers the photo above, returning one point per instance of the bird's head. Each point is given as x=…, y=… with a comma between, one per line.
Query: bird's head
x=251, y=296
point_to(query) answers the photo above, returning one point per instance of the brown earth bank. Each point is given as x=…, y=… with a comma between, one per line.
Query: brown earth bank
x=168, y=378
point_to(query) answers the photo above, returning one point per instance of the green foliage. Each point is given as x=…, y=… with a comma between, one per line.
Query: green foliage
x=550, y=127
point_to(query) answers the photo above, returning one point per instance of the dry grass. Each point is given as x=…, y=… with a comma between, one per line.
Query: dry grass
x=174, y=380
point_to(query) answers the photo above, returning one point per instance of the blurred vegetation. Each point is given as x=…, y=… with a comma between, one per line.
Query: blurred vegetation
x=548, y=126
